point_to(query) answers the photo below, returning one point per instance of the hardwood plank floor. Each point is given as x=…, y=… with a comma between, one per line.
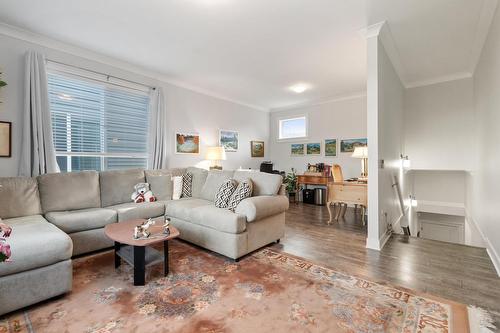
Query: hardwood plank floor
x=456, y=272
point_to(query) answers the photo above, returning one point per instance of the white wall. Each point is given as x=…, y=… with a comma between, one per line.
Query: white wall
x=438, y=125
x=343, y=119
x=483, y=193
x=439, y=186
x=187, y=110
x=385, y=134
x=390, y=142
x=191, y=111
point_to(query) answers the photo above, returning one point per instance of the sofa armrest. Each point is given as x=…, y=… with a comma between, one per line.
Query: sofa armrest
x=257, y=208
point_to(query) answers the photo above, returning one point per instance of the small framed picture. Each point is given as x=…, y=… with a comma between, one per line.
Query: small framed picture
x=330, y=147
x=228, y=140
x=313, y=148
x=257, y=148
x=348, y=145
x=5, y=139
x=297, y=149
x=187, y=143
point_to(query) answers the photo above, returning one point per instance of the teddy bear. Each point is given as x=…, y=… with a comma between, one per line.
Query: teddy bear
x=142, y=193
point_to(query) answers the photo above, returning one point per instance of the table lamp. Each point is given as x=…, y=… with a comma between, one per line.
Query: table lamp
x=215, y=155
x=362, y=153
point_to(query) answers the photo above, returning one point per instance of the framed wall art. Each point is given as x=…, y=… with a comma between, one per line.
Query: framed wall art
x=313, y=148
x=297, y=149
x=330, y=147
x=257, y=148
x=187, y=143
x=348, y=145
x=5, y=139
x=228, y=140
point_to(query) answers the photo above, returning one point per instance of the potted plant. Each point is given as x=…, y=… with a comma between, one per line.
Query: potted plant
x=291, y=183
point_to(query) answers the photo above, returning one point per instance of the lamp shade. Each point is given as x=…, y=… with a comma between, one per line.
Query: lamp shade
x=360, y=152
x=216, y=154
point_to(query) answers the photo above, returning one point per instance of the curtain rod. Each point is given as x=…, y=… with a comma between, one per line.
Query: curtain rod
x=99, y=73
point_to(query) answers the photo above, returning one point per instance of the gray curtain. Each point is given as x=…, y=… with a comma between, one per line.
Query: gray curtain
x=157, y=130
x=38, y=155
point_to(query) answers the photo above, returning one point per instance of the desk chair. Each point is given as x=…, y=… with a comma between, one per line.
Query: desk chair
x=344, y=193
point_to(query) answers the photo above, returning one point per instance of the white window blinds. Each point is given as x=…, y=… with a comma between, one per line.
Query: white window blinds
x=97, y=125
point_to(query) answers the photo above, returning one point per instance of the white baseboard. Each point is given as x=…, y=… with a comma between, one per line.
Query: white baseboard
x=373, y=244
x=397, y=225
x=384, y=239
x=378, y=244
x=495, y=258
x=492, y=253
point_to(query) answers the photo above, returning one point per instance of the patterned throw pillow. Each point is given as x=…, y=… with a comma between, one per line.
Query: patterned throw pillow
x=187, y=185
x=243, y=191
x=224, y=193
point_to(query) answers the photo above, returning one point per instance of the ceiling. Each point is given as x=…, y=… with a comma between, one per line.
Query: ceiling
x=251, y=51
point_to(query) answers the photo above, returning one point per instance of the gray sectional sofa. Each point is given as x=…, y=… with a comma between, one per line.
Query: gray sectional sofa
x=57, y=216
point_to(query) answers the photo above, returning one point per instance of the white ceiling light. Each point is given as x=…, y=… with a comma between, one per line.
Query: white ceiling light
x=299, y=88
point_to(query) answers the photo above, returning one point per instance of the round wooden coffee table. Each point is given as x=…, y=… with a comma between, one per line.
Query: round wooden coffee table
x=138, y=252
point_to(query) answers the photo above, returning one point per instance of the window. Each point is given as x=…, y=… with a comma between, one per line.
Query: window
x=293, y=128
x=97, y=125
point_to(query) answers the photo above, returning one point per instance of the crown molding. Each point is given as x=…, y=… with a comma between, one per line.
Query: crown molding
x=357, y=95
x=382, y=31
x=372, y=30
x=51, y=43
x=439, y=79
x=485, y=21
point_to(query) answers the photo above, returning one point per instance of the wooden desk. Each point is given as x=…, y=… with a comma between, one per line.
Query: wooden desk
x=353, y=193
x=314, y=180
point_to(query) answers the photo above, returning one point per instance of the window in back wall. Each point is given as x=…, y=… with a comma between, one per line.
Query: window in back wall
x=97, y=125
x=292, y=128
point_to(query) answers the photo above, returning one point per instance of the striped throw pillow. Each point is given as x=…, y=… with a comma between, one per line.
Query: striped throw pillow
x=187, y=185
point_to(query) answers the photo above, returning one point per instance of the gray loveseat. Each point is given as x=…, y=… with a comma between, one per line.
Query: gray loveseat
x=57, y=216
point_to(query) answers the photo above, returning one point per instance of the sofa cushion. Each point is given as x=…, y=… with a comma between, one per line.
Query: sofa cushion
x=181, y=208
x=83, y=219
x=144, y=210
x=68, y=191
x=118, y=186
x=19, y=197
x=35, y=243
x=161, y=186
x=215, y=179
x=257, y=208
x=219, y=219
x=199, y=178
x=160, y=182
x=263, y=183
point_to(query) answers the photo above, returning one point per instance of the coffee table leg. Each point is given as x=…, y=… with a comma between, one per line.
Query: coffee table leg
x=117, y=257
x=165, y=258
x=139, y=265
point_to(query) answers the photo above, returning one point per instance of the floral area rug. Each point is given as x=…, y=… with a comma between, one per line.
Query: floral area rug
x=267, y=291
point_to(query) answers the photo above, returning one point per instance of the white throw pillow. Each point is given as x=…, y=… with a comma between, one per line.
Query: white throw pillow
x=177, y=187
